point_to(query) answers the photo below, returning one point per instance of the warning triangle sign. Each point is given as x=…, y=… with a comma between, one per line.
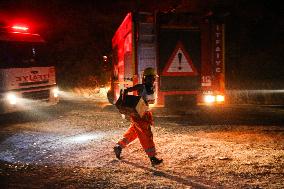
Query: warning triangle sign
x=179, y=63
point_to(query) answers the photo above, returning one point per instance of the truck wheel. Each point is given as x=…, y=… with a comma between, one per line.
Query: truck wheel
x=110, y=96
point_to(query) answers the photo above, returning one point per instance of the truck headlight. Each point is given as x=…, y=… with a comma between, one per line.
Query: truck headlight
x=12, y=98
x=55, y=92
x=209, y=98
x=220, y=98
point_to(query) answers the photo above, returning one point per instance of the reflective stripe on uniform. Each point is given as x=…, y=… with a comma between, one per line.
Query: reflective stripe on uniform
x=123, y=142
x=150, y=151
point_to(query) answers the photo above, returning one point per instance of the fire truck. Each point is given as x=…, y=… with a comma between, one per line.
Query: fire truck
x=26, y=80
x=186, y=49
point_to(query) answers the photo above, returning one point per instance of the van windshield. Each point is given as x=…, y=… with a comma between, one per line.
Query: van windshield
x=22, y=54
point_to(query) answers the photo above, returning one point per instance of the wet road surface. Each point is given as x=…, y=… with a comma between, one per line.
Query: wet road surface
x=70, y=146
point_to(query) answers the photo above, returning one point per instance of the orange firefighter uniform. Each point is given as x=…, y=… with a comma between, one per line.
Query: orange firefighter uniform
x=140, y=128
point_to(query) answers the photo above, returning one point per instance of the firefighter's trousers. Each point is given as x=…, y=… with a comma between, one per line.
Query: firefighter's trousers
x=140, y=128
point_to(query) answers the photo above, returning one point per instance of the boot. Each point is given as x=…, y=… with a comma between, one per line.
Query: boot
x=117, y=150
x=155, y=161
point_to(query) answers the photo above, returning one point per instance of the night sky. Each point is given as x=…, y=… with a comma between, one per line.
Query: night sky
x=79, y=33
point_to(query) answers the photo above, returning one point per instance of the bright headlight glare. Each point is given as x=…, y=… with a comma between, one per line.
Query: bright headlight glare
x=12, y=98
x=209, y=98
x=220, y=98
x=55, y=92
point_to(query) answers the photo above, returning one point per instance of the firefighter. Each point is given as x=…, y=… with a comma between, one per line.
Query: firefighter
x=141, y=126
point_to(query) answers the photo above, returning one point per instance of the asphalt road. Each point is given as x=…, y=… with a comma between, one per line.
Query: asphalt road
x=70, y=146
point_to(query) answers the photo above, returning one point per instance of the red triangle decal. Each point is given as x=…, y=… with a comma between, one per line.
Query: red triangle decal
x=179, y=63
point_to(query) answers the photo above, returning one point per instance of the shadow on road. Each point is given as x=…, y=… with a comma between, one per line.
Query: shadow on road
x=188, y=181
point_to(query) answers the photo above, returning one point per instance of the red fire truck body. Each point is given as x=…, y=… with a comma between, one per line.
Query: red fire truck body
x=187, y=50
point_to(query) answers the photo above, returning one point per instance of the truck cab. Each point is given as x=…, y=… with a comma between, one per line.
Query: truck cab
x=27, y=81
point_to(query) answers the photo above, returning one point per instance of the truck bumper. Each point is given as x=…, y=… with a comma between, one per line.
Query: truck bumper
x=22, y=101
